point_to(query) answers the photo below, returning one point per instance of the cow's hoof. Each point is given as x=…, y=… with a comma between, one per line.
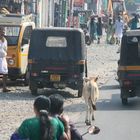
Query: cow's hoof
x=88, y=122
x=93, y=118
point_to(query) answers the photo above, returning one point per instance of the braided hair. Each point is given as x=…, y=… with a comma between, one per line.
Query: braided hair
x=42, y=105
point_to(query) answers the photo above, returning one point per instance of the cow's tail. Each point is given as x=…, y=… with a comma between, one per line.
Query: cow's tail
x=93, y=106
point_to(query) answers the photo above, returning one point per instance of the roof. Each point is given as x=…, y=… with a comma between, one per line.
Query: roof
x=133, y=32
x=60, y=29
x=14, y=19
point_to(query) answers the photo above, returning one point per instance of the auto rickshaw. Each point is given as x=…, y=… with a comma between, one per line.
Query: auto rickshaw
x=18, y=30
x=129, y=65
x=57, y=59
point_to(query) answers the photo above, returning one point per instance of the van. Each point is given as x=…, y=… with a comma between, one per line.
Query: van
x=18, y=30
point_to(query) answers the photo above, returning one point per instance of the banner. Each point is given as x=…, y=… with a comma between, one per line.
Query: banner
x=79, y=2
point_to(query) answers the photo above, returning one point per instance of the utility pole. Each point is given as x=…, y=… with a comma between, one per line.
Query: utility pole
x=71, y=13
x=51, y=13
x=22, y=7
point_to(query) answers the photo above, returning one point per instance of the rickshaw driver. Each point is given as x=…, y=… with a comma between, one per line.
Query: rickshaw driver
x=3, y=61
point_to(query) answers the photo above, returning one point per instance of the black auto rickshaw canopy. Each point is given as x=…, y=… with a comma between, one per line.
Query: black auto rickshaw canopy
x=59, y=44
x=130, y=48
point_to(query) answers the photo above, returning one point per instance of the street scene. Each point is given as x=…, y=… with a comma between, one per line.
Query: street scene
x=69, y=70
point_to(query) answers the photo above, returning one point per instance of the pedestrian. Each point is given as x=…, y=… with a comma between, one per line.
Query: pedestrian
x=93, y=29
x=133, y=24
x=110, y=30
x=99, y=29
x=42, y=126
x=119, y=26
x=3, y=61
x=56, y=110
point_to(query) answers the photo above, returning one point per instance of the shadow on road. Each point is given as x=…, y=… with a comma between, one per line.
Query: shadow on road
x=113, y=102
x=107, y=87
x=17, y=93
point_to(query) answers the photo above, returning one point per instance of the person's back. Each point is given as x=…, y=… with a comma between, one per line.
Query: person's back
x=57, y=110
x=119, y=26
x=40, y=127
x=133, y=23
x=93, y=29
x=99, y=29
x=30, y=128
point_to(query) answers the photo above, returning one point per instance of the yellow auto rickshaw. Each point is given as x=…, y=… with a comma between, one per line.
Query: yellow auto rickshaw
x=18, y=30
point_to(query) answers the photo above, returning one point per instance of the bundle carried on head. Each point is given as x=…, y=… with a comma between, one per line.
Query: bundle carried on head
x=4, y=11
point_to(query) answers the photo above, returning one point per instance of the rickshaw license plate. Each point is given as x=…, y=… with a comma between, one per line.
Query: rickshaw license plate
x=54, y=77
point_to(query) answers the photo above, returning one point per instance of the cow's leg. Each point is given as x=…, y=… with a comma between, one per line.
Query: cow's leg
x=87, y=121
x=93, y=118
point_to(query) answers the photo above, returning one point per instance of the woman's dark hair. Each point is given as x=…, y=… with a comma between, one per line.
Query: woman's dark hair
x=99, y=19
x=57, y=102
x=42, y=105
x=45, y=126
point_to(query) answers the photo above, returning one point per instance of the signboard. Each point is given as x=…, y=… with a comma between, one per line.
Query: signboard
x=79, y=2
x=117, y=0
x=75, y=21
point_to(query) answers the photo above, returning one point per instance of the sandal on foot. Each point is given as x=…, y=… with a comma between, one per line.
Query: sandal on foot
x=6, y=90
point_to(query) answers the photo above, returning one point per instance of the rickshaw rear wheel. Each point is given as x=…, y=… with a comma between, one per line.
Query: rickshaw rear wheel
x=26, y=79
x=124, y=101
x=33, y=88
x=124, y=96
x=80, y=90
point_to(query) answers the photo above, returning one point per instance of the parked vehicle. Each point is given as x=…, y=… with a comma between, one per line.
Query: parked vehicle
x=57, y=59
x=18, y=30
x=129, y=65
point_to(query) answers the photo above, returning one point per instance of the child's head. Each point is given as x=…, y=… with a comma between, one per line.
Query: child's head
x=41, y=103
x=57, y=102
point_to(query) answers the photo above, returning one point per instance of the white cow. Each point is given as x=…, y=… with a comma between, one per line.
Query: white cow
x=90, y=94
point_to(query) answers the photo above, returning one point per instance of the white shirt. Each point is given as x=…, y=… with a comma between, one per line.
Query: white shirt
x=119, y=25
x=3, y=48
x=3, y=54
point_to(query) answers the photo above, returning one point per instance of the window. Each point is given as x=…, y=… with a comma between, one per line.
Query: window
x=53, y=41
x=12, y=34
x=12, y=31
x=27, y=35
x=27, y=32
x=133, y=50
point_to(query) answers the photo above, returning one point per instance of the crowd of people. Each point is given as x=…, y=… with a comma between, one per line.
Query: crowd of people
x=114, y=28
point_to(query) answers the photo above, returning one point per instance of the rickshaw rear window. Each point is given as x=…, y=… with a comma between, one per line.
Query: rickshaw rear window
x=53, y=41
x=133, y=51
x=12, y=34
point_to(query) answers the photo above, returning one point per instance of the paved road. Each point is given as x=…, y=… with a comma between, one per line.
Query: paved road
x=117, y=122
